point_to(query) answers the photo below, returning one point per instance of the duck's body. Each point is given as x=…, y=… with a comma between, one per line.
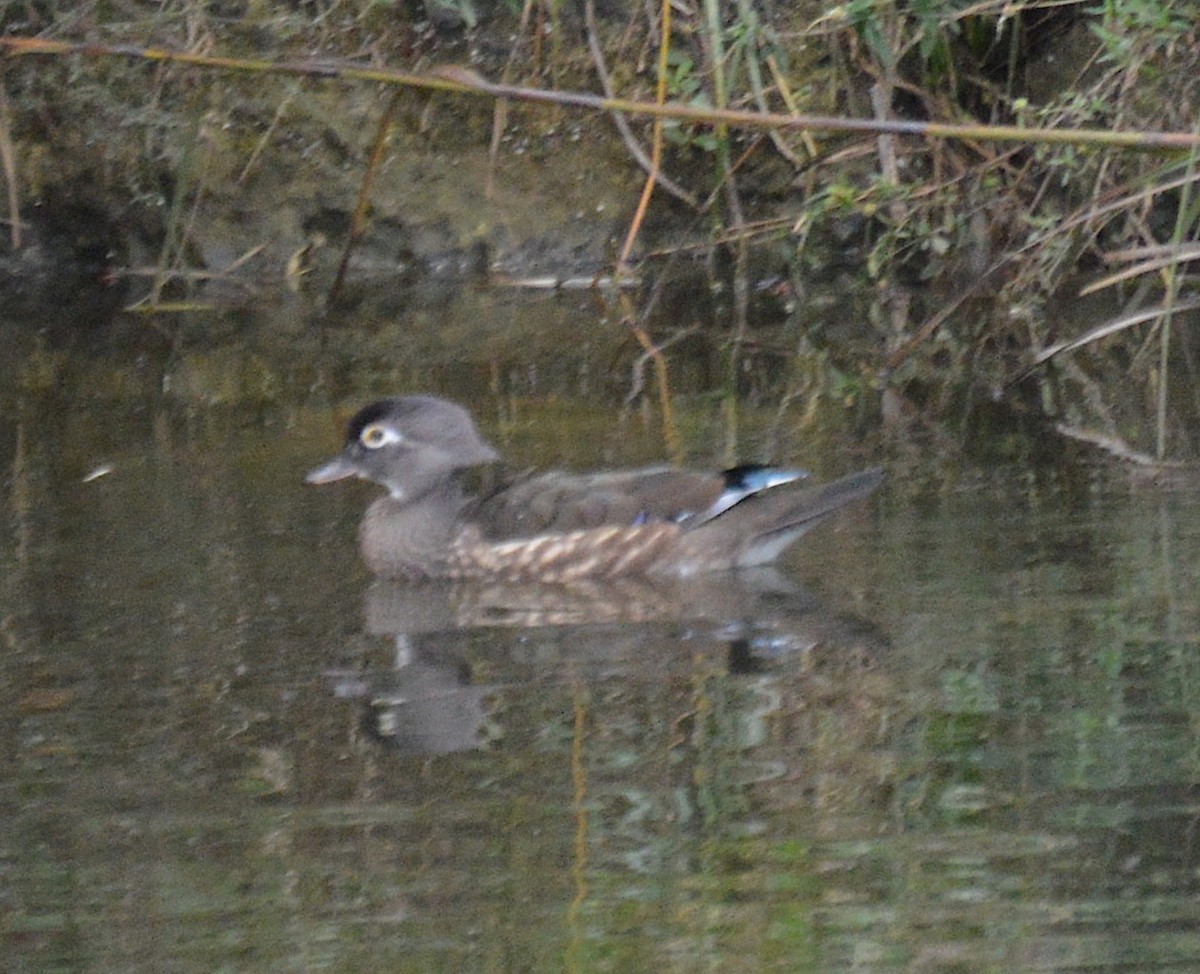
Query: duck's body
x=561, y=527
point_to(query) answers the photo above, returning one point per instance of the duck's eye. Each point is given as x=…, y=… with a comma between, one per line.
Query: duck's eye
x=377, y=435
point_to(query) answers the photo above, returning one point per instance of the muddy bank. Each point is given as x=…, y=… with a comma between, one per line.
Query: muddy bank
x=158, y=184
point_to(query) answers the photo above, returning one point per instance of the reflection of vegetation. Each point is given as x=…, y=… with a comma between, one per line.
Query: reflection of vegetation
x=1000, y=224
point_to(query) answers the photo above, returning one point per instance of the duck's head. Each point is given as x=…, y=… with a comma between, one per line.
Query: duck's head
x=409, y=444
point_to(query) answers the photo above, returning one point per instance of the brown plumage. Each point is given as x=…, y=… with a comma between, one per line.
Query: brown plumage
x=561, y=527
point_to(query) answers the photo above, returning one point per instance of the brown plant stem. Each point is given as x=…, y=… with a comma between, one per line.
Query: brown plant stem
x=358, y=224
x=465, y=81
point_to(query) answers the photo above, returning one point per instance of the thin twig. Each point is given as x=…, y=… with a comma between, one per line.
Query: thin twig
x=8, y=157
x=358, y=224
x=649, y=166
x=1114, y=445
x=263, y=142
x=465, y=81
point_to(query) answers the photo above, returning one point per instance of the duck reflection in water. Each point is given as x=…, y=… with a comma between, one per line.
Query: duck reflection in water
x=458, y=647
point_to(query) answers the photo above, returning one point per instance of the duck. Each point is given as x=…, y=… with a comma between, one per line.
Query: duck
x=561, y=527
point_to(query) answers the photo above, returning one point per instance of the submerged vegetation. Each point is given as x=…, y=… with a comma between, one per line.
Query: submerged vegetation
x=1021, y=274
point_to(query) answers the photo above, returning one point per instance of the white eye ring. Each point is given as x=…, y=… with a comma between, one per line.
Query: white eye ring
x=379, y=435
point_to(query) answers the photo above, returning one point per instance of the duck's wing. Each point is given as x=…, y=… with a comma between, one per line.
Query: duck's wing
x=558, y=501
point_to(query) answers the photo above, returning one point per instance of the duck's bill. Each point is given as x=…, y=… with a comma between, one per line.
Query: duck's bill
x=339, y=468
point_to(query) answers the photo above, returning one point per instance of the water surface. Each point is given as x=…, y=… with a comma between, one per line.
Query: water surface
x=955, y=730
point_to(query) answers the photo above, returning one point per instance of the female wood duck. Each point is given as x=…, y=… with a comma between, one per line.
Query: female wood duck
x=561, y=527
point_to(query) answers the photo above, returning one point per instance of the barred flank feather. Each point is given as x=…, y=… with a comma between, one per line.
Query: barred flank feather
x=560, y=558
